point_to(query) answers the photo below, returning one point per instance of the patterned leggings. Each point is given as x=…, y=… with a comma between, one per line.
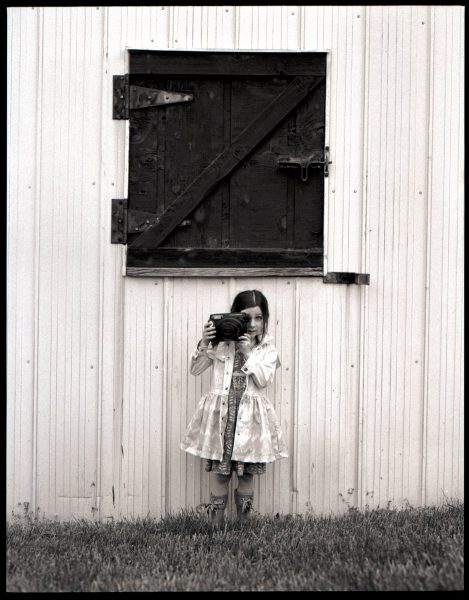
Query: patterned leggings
x=219, y=483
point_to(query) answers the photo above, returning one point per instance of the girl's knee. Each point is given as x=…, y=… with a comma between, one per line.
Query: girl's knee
x=219, y=483
x=245, y=482
x=223, y=479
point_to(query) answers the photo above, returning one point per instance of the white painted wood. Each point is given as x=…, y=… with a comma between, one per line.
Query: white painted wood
x=21, y=241
x=393, y=314
x=111, y=290
x=444, y=278
x=95, y=418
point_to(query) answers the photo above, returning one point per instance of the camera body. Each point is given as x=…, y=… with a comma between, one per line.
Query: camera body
x=229, y=326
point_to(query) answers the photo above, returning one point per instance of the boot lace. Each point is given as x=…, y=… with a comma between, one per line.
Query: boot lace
x=246, y=505
x=209, y=507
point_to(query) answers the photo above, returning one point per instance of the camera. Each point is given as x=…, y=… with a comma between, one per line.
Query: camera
x=229, y=326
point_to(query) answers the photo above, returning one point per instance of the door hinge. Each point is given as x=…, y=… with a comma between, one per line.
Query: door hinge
x=358, y=278
x=317, y=158
x=127, y=221
x=119, y=221
x=128, y=97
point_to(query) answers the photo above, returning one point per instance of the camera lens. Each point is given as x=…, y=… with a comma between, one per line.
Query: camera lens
x=230, y=331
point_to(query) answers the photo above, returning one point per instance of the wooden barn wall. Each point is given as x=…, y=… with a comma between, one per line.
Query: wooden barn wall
x=370, y=394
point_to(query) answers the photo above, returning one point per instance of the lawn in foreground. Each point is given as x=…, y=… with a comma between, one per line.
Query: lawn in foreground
x=409, y=549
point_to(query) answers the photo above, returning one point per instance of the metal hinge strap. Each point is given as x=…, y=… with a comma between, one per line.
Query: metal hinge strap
x=127, y=221
x=119, y=221
x=132, y=97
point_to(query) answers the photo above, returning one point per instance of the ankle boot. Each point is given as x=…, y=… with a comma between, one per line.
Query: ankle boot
x=244, y=504
x=216, y=510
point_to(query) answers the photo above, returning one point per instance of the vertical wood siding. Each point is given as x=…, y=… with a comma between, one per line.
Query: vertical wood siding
x=371, y=386
x=443, y=405
x=396, y=106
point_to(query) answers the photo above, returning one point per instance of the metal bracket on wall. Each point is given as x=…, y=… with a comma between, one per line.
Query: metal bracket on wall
x=358, y=278
x=132, y=97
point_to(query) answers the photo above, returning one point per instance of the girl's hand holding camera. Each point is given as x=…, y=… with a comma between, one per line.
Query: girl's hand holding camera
x=244, y=343
x=208, y=334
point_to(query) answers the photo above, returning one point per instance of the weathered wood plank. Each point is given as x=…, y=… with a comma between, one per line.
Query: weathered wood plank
x=223, y=272
x=227, y=161
x=227, y=63
x=193, y=138
x=258, y=189
x=219, y=257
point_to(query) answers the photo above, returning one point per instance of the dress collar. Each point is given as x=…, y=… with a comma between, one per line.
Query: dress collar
x=267, y=339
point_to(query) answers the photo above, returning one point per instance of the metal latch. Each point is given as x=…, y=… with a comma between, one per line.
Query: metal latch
x=131, y=97
x=316, y=159
x=358, y=278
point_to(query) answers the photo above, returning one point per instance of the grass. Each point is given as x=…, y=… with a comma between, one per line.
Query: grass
x=382, y=549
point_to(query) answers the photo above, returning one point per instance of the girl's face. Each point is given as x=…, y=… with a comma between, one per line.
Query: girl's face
x=256, y=321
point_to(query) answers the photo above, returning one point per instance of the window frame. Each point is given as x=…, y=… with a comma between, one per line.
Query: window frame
x=245, y=271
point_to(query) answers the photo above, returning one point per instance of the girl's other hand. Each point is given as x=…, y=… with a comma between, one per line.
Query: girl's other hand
x=244, y=343
x=208, y=334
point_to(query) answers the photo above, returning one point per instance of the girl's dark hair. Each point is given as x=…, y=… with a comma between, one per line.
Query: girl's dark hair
x=249, y=299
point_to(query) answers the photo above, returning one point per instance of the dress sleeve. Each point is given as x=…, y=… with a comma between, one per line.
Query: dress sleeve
x=261, y=366
x=201, y=359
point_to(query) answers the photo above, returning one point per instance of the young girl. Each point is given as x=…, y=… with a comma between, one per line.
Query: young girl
x=235, y=427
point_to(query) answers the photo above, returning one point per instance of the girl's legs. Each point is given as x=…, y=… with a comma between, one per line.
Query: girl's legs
x=244, y=495
x=218, y=498
x=219, y=483
x=246, y=483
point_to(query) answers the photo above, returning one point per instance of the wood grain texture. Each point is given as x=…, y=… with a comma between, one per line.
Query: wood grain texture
x=224, y=272
x=224, y=163
x=225, y=257
x=223, y=63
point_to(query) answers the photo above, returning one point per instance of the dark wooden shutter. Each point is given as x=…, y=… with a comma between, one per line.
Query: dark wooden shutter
x=222, y=182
